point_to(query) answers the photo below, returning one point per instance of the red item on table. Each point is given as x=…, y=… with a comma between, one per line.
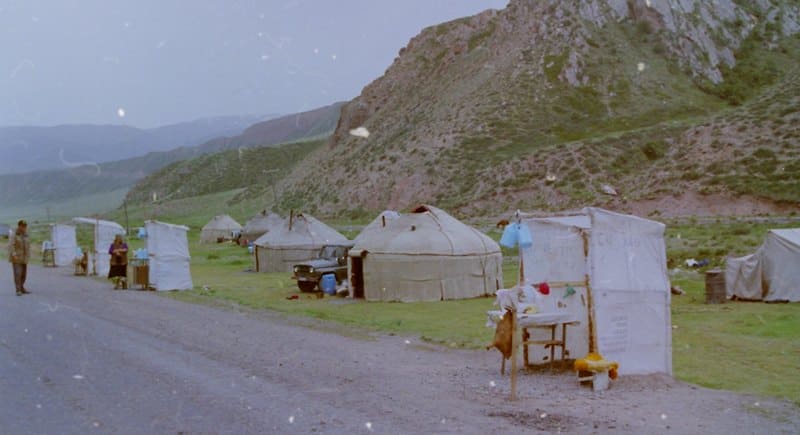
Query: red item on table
x=544, y=288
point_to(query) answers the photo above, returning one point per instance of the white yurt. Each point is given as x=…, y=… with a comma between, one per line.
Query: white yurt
x=221, y=226
x=260, y=224
x=424, y=255
x=298, y=239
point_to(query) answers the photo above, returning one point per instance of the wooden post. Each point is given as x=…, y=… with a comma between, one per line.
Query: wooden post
x=513, y=356
x=590, y=300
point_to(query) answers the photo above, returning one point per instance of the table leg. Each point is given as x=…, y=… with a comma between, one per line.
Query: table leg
x=513, y=357
x=525, y=336
x=563, y=342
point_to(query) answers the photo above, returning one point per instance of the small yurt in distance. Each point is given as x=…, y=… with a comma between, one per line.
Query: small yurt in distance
x=219, y=226
x=298, y=239
x=424, y=255
x=260, y=224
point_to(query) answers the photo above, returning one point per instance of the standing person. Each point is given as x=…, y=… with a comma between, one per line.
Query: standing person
x=19, y=252
x=119, y=262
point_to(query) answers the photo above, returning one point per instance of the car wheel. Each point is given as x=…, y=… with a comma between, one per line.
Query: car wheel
x=306, y=286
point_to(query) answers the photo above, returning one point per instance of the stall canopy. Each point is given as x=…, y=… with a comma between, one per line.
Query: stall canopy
x=261, y=224
x=770, y=274
x=222, y=226
x=425, y=255
x=104, y=232
x=609, y=271
x=298, y=239
x=168, y=252
x=64, y=242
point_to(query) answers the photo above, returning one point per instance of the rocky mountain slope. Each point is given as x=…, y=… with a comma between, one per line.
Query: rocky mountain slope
x=552, y=104
x=85, y=179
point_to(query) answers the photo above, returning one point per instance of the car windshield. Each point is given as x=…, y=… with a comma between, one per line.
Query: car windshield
x=332, y=252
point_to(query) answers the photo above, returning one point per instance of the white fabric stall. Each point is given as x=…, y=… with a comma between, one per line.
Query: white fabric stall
x=771, y=274
x=168, y=252
x=104, y=233
x=64, y=242
x=616, y=265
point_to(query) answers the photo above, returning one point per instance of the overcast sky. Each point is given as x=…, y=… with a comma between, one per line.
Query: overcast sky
x=154, y=62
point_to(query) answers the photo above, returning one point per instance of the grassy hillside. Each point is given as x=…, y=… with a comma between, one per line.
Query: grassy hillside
x=540, y=105
x=253, y=169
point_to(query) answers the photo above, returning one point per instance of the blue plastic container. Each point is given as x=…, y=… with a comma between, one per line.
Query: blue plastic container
x=328, y=284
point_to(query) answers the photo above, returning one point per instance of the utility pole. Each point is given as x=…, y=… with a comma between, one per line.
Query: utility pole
x=127, y=227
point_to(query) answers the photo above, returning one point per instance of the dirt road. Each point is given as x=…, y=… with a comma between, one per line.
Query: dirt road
x=77, y=357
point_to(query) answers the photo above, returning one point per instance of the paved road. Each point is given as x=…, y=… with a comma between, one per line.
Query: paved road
x=77, y=358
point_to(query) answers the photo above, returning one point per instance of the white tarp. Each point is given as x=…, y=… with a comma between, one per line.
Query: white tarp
x=104, y=232
x=64, y=242
x=771, y=274
x=168, y=251
x=622, y=258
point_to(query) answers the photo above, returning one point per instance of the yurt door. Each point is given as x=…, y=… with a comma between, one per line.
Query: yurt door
x=357, y=277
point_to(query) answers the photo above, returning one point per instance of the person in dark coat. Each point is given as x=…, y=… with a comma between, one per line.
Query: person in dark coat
x=118, y=272
x=19, y=252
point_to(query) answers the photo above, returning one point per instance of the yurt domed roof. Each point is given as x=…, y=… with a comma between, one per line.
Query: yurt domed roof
x=426, y=230
x=222, y=222
x=305, y=231
x=262, y=222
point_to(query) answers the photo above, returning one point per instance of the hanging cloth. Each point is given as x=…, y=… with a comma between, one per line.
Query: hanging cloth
x=524, y=236
x=510, y=236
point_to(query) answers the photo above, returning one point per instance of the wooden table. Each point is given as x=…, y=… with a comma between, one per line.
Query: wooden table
x=552, y=343
x=523, y=323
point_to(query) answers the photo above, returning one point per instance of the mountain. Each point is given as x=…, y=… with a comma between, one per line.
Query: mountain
x=253, y=168
x=551, y=104
x=27, y=149
x=85, y=179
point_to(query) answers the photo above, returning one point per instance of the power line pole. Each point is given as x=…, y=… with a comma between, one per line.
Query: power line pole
x=127, y=227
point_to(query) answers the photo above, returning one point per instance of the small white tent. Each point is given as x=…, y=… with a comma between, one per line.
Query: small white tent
x=425, y=255
x=168, y=252
x=219, y=226
x=298, y=239
x=616, y=267
x=104, y=232
x=260, y=224
x=64, y=242
x=771, y=274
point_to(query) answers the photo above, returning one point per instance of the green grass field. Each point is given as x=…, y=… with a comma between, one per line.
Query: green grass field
x=739, y=346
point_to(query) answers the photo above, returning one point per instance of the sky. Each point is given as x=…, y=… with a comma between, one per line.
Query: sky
x=147, y=63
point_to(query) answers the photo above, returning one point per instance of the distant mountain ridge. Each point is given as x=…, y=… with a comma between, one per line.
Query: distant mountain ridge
x=84, y=179
x=26, y=148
